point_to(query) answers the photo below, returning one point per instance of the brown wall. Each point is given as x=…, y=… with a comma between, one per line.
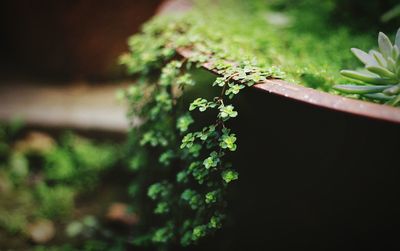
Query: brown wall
x=68, y=39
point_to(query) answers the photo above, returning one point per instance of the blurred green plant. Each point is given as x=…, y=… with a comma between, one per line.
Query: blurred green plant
x=40, y=178
x=55, y=202
x=380, y=77
x=77, y=161
x=393, y=13
x=89, y=245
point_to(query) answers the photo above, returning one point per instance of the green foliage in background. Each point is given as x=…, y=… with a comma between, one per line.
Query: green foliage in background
x=89, y=245
x=41, y=178
x=77, y=161
x=392, y=14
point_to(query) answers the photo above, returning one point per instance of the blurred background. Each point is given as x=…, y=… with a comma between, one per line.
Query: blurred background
x=68, y=40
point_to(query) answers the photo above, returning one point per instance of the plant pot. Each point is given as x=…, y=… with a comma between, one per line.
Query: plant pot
x=317, y=171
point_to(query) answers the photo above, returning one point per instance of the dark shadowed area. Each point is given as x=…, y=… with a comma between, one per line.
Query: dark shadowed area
x=67, y=40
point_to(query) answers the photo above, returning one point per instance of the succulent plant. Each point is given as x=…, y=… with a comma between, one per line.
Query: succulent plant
x=380, y=80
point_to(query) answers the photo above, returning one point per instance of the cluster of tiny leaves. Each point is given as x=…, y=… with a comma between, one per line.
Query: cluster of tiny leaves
x=190, y=175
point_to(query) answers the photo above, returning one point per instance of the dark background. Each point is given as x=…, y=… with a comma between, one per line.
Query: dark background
x=68, y=39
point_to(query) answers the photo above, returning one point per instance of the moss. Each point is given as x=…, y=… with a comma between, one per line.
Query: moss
x=290, y=39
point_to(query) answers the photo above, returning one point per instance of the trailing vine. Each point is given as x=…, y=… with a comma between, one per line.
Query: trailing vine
x=179, y=163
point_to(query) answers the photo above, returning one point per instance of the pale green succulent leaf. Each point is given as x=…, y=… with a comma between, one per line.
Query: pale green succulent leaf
x=398, y=68
x=395, y=101
x=378, y=58
x=364, y=57
x=394, y=90
x=383, y=72
x=397, y=40
x=398, y=60
x=378, y=96
x=366, y=77
x=391, y=66
x=360, y=89
x=396, y=52
x=385, y=46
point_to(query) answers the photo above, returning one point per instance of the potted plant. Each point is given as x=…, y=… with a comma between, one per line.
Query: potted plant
x=183, y=152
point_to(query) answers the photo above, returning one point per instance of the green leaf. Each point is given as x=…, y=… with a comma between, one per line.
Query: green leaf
x=211, y=197
x=378, y=96
x=198, y=172
x=211, y=161
x=364, y=57
x=164, y=234
x=397, y=40
x=182, y=177
x=192, y=197
x=154, y=139
x=385, y=46
x=185, y=80
x=186, y=239
x=198, y=232
x=159, y=190
x=228, y=141
x=161, y=208
x=360, y=89
x=393, y=90
x=194, y=150
x=396, y=53
x=391, y=66
x=383, y=72
x=378, y=58
x=184, y=122
x=166, y=157
x=187, y=141
x=367, y=78
x=215, y=221
x=395, y=101
x=227, y=112
x=229, y=176
x=200, y=103
x=219, y=81
x=137, y=161
x=233, y=89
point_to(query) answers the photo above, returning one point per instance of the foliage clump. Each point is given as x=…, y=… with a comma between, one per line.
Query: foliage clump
x=40, y=178
x=381, y=77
